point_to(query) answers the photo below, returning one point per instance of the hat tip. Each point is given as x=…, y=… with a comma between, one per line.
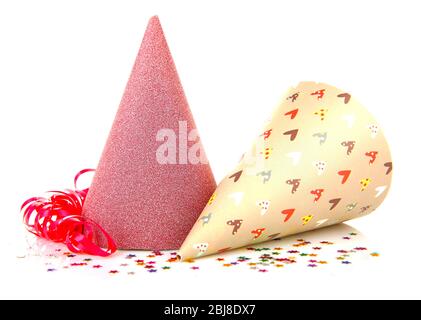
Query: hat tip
x=154, y=19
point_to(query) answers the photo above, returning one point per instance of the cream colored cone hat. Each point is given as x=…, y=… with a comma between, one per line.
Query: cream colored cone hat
x=322, y=159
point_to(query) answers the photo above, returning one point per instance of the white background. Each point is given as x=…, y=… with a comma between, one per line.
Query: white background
x=63, y=68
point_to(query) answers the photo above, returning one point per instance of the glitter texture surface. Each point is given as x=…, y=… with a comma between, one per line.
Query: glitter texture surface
x=143, y=204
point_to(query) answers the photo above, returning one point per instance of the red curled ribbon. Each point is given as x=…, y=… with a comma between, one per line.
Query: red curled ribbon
x=59, y=219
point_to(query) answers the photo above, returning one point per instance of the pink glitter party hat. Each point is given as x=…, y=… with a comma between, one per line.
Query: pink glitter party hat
x=152, y=180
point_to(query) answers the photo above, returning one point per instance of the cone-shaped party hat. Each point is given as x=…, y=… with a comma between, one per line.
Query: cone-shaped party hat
x=320, y=160
x=152, y=180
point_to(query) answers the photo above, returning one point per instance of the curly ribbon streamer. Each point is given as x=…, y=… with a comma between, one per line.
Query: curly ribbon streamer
x=58, y=218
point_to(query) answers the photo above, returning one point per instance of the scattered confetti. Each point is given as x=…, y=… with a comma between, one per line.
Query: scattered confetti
x=275, y=256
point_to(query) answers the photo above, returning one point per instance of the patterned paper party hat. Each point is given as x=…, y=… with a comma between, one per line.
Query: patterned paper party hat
x=153, y=179
x=320, y=160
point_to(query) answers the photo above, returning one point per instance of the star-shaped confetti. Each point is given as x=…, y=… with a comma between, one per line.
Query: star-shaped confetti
x=326, y=242
x=78, y=264
x=257, y=258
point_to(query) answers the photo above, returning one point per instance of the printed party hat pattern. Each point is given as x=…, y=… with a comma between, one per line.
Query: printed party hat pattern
x=152, y=180
x=321, y=160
